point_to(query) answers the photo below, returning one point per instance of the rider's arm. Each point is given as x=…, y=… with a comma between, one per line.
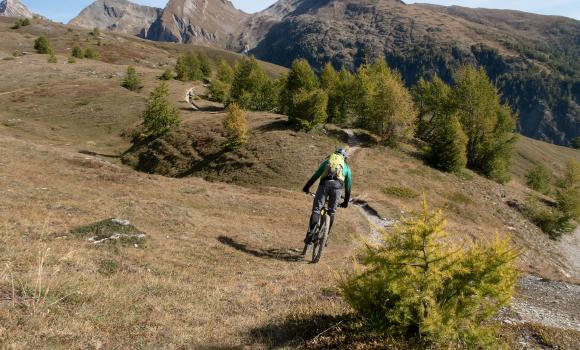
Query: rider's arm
x=347, y=184
x=316, y=176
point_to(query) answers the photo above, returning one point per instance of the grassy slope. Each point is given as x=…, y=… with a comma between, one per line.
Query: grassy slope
x=218, y=269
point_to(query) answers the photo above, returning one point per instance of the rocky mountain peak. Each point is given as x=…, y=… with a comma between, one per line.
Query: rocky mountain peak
x=118, y=15
x=14, y=8
x=197, y=21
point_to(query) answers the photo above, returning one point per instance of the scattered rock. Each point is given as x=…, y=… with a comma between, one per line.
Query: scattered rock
x=111, y=230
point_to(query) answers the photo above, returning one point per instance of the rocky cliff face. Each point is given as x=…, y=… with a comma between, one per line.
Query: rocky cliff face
x=197, y=21
x=118, y=15
x=14, y=8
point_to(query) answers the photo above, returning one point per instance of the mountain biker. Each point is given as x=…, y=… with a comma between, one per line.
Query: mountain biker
x=334, y=174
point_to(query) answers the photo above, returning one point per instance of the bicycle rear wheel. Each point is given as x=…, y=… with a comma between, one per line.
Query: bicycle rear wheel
x=313, y=239
x=320, y=239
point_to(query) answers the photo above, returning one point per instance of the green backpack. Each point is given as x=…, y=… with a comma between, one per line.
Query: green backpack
x=335, y=168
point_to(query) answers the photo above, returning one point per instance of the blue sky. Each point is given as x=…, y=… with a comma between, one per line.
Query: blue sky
x=64, y=10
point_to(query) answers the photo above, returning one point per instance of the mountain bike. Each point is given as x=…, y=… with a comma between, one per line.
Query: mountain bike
x=320, y=234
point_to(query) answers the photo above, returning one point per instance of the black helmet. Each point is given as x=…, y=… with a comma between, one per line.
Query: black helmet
x=343, y=152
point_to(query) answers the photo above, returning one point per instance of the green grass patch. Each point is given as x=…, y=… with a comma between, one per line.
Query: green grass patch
x=460, y=198
x=109, y=267
x=400, y=192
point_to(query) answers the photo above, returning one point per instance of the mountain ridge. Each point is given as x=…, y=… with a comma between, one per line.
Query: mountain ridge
x=14, y=8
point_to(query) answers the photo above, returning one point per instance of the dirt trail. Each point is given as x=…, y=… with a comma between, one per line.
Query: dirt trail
x=371, y=214
x=538, y=300
x=189, y=98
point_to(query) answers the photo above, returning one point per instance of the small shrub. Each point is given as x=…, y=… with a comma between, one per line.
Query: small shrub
x=21, y=23
x=42, y=45
x=77, y=52
x=568, y=195
x=168, y=74
x=131, y=81
x=575, y=143
x=52, y=58
x=236, y=127
x=400, y=192
x=91, y=54
x=72, y=60
x=109, y=267
x=95, y=32
x=538, y=178
x=418, y=285
x=550, y=220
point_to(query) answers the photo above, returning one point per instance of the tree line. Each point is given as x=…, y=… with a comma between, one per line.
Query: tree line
x=461, y=125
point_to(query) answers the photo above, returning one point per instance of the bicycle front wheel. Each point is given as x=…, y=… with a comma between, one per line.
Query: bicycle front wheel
x=320, y=242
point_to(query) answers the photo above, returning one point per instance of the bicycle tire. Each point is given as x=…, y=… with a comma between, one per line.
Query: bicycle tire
x=320, y=242
x=314, y=238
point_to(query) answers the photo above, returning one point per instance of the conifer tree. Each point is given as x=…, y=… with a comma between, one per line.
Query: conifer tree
x=224, y=72
x=434, y=99
x=302, y=99
x=447, y=144
x=188, y=68
x=236, y=127
x=385, y=105
x=204, y=65
x=160, y=114
x=328, y=77
x=42, y=45
x=309, y=108
x=131, y=81
x=339, y=88
x=418, y=284
x=181, y=68
x=220, y=86
x=488, y=125
x=251, y=88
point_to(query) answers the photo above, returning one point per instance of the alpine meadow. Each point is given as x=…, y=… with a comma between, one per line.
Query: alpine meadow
x=154, y=161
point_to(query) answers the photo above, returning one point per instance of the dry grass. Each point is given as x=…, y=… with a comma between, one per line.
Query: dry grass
x=476, y=207
x=220, y=261
x=530, y=153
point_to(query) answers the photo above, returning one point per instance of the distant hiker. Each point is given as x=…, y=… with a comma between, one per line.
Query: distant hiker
x=334, y=174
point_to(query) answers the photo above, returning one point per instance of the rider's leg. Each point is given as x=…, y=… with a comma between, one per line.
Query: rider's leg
x=335, y=190
x=316, y=208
